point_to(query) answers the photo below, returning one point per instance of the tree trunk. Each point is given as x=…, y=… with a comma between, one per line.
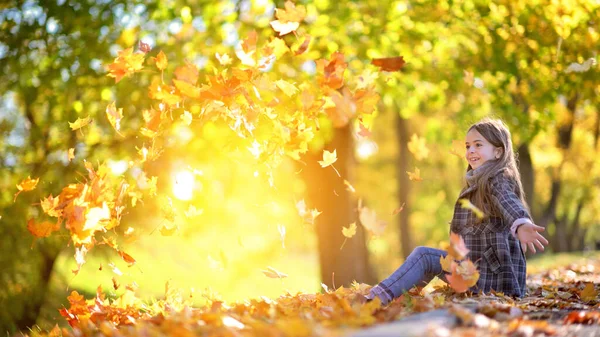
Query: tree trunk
x=403, y=184
x=327, y=192
x=527, y=175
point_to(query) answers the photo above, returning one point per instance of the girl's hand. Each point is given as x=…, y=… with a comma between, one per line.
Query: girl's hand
x=529, y=236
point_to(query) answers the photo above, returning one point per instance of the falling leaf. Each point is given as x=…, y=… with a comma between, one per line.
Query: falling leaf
x=389, y=63
x=42, y=229
x=79, y=123
x=26, y=185
x=398, y=210
x=114, y=116
x=349, y=187
x=328, y=158
x=168, y=231
x=418, y=148
x=71, y=154
x=303, y=47
x=446, y=263
x=469, y=77
x=115, y=269
x=80, y=253
x=273, y=273
x=161, y=61
x=288, y=19
x=467, y=204
x=457, y=249
x=144, y=47
x=186, y=117
x=224, y=59
x=310, y=217
x=127, y=62
x=127, y=258
x=287, y=88
x=415, y=176
x=301, y=207
x=192, y=211
x=580, y=68
x=281, y=230
x=589, y=293
x=115, y=284
x=363, y=131
x=368, y=218
x=350, y=231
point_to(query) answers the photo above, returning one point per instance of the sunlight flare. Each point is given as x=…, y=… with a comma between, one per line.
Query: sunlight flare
x=183, y=185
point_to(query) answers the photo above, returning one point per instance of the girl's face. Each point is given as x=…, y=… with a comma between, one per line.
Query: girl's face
x=479, y=150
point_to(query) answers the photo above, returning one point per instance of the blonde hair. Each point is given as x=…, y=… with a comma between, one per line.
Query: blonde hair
x=497, y=134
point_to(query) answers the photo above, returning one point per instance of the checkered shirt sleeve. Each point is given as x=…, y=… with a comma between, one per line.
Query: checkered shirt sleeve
x=507, y=203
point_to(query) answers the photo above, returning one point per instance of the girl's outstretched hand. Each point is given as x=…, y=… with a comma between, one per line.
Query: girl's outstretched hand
x=529, y=235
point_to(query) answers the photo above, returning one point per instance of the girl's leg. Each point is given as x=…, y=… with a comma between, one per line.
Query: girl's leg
x=421, y=266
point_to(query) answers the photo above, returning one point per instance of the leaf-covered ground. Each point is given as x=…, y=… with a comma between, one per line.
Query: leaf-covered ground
x=561, y=301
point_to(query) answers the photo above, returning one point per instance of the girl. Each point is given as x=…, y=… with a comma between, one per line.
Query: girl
x=497, y=242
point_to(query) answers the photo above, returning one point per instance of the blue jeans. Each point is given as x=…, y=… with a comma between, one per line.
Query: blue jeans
x=421, y=266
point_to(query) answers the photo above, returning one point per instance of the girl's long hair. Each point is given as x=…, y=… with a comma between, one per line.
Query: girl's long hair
x=496, y=132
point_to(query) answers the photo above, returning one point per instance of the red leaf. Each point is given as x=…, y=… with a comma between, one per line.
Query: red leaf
x=389, y=63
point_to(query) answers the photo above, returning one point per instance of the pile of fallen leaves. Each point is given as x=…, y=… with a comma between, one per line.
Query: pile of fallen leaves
x=560, y=302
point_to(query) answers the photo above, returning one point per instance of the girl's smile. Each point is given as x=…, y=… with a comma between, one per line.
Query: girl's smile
x=478, y=149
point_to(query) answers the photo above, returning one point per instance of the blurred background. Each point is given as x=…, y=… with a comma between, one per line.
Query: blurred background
x=531, y=63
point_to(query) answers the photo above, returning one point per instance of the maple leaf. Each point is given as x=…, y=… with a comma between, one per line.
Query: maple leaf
x=589, y=293
x=144, y=47
x=456, y=281
x=186, y=117
x=192, y=211
x=288, y=19
x=415, y=176
x=363, y=131
x=417, y=147
x=389, y=63
x=467, y=204
x=26, y=185
x=446, y=263
x=457, y=249
x=350, y=231
x=399, y=209
x=79, y=123
x=224, y=59
x=42, y=229
x=368, y=218
x=168, y=231
x=287, y=88
x=273, y=273
x=328, y=158
x=187, y=73
x=125, y=64
x=302, y=48
x=161, y=61
x=468, y=271
x=80, y=253
x=187, y=89
x=331, y=73
x=114, y=116
x=126, y=257
x=581, y=68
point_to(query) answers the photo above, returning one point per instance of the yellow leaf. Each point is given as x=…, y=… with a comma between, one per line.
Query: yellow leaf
x=284, y=28
x=328, y=158
x=273, y=273
x=368, y=218
x=168, y=231
x=349, y=187
x=79, y=123
x=446, y=263
x=224, y=59
x=161, y=61
x=589, y=293
x=466, y=203
x=71, y=154
x=469, y=77
x=114, y=116
x=415, y=176
x=26, y=185
x=350, y=231
x=418, y=148
x=193, y=211
x=187, y=89
x=287, y=88
x=186, y=117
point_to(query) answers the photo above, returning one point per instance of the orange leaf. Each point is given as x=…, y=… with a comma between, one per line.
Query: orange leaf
x=42, y=229
x=398, y=210
x=249, y=43
x=125, y=64
x=161, y=61
x=589, y=293
x=50, y=206
x=416, y=176
x=304, y=46
x=389, y=63
x=457, y=248
x=26, y=185
x=187, y=73
x=363, y=132
x=126, y=257
x=332, y=72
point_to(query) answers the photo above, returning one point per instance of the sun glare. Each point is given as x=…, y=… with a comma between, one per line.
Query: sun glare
x=366, y=149
x=183, y=185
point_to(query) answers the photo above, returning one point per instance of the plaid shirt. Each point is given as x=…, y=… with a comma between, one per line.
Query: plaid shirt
x=494, y=249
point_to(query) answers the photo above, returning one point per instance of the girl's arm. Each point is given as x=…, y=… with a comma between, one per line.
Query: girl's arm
x=516, y=215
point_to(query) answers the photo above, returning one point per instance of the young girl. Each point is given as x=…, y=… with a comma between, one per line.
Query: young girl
x=497, y=242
